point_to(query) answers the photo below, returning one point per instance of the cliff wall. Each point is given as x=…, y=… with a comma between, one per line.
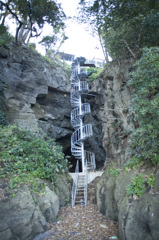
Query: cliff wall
x=36, y=92
x=137, y=217
x=111, y=109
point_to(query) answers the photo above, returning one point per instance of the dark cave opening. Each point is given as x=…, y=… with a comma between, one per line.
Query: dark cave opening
x=73, y=161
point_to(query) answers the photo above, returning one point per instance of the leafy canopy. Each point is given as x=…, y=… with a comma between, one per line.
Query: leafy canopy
x=125, y=26
x=32, y=15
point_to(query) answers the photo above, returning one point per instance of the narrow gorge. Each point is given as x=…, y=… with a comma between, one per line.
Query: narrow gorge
x=37, y=98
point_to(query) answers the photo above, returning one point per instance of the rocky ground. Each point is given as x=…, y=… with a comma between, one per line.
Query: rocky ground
x=83, y=224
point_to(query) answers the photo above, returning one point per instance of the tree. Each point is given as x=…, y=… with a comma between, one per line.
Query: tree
x=31, y=16
x=125, y=26
x=52, y=40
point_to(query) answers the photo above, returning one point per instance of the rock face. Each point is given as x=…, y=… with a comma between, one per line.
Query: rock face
x=110, y=111
x=24, y=214
x=138, y=218
x=36, y=92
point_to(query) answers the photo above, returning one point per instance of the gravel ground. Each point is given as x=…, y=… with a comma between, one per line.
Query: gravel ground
x=82, y=224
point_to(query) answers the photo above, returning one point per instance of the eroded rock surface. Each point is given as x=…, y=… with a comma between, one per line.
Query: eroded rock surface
x=110, y=111
x=36, y=92
x=138, y=218
x=24, y=213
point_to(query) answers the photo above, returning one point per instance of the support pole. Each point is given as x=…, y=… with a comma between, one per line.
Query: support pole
x=83, y=168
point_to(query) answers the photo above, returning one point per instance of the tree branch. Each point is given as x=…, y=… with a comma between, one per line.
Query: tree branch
x=10, y=10
x=133, y=54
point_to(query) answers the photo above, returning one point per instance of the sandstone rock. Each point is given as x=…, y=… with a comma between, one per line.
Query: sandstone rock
x=111, y=110
x=17, y=213
x=4, y=52
x=63, y=187
x=49, y=205
x=105, y=198
x=26, y=214
x=137, y=218
x=35, y=91
x=143, y=219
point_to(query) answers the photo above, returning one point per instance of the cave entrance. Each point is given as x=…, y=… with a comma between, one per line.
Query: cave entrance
x=73, y=161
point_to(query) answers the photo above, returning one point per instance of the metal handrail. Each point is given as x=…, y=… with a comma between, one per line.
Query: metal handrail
x=75, y=113
x=76, y=137
x=90, y=159
x=81, y=86
x=85, y=185
x=74, y=187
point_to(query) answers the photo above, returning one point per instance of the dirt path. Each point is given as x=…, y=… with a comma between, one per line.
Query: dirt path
x=83, y=224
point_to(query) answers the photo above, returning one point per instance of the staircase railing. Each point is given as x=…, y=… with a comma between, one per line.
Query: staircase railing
x=90, y=159
x=76, y=137
x=76, y=113
x=75, y=181
x=79, y=86
x=85, y=185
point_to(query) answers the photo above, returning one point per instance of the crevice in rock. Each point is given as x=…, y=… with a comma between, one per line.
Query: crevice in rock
x=43, y=119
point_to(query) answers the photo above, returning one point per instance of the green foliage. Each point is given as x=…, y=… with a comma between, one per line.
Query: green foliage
x=32, y=46
x=32, y=16
x=93, y=73
x=125, y=26
x=25, y=157
x=144, y=104
x=48, y=41
x=151, y=180
x=67, y=68
x=133, y=163
x=137, y=186
x=5, y=37
x=3, y=119
x=113, y=171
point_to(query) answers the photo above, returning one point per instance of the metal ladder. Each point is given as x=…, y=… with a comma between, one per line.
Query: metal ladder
x=79, y=86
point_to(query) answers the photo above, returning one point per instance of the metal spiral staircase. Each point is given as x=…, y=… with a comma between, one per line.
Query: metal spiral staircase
x=79, y=86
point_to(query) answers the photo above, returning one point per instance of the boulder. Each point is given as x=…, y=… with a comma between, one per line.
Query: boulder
x=105, y=198
x=24, y=214
x=138, y=218
x=20, y=217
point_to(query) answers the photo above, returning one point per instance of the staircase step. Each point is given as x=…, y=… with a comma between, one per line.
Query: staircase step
x=79, y=197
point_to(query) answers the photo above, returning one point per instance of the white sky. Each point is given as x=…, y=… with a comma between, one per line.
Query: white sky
x=80, y=42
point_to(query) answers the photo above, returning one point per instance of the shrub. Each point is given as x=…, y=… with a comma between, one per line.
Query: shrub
x=23, y=155
x=113, y=171
x=144, y=104
x=93, y=73
x=137, y=186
